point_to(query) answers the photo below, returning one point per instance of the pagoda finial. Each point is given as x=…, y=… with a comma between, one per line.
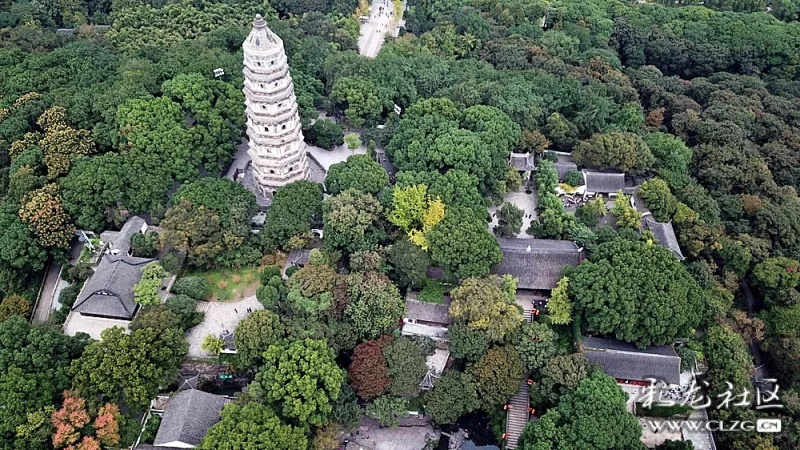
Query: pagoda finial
x=259, y=22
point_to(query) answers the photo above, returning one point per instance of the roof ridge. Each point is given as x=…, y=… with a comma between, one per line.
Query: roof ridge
x=629, y=352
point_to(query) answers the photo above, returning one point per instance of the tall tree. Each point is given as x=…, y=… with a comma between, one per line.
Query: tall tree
x=294, y=209
x=35, y=362
x=498, y=375
x=462, y=243
x=301, y=379
x=369, y=371
x=374, y=304
x=593, y=417
x=453, y=395
x=409, y=263
x=509, y=218
x=252, y=425
x=485, y=305
x=637, y=291
x=406, y=366
x=254, y=334
x=44, y=214
x=146, y=291
x=359, y=172
x=536, y=345
x=128, y=369
x=625, y=152
x=352, y=221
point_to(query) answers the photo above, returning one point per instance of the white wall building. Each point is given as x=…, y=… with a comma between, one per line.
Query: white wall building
x=277, y=150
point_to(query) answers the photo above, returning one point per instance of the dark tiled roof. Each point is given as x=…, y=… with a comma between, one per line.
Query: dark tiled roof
x=298, y=258
x=603, y=182
x=188, y=417
x=536, y=263
x=122, y=240
x=429, y=312
x=109, y=291
x=188, y=379
x=562, y=167
x=624, y=361
x=522, y=161
x=664, y=234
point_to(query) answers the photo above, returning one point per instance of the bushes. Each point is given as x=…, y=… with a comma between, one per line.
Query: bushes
x=268, y=296
x=432, y=292
x=77, y=274
x=194, y=287
x=171, y=262
x=269, y=272
x=68, y=295
x=574, y=178
x=184, y=307
x=388, y=410
x=144, y=245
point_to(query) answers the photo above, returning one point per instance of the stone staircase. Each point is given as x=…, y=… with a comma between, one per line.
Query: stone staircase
x=526, y=314
x=201, y=307
x=517, y=416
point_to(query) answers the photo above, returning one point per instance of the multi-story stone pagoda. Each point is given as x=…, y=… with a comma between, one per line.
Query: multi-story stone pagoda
x=277, y=150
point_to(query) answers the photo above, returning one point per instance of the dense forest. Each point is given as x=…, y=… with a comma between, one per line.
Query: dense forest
x=97, y=123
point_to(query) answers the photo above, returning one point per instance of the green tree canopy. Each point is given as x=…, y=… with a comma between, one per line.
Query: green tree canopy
x=462, y=243
x=409, y=263
x=252, y=425
x=728, y=357
x=466, y=343
x=453, y=395
x=294, y=209
x=254, y=334
x=484, y=304
x=128, y=369
x=498, y=375
x=374, y=304
x=406, y=365
x=301, y=379
x=593, y=417
x=621, y=151
x=146, y=291
x=509, y=218
x=352, y=221
x=360, y=172
x=536, y=345
x=35, y=364
x=637, y=291
x=231, y=201
x=658, y=198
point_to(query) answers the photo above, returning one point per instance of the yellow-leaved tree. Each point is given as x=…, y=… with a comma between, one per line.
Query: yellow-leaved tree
x=416, y=213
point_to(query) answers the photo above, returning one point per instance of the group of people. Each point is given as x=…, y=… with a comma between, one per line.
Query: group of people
x=569, y=200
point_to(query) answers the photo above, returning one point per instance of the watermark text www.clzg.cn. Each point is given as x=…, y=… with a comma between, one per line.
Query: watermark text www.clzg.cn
x=692, y=396
x=760, y=425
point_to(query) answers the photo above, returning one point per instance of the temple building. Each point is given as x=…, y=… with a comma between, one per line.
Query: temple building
x=277, y=150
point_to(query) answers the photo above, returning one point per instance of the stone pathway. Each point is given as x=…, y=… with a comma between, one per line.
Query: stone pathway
x=374, y=31
x=525, y=202
x=327, y=158
x=220, y=316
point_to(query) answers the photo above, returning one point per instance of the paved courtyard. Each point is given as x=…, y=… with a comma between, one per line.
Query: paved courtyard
x=220, y=316
x=327, y=158
x=378, y=26
x=394, y=438
x=93, y=326
x=523, y=201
